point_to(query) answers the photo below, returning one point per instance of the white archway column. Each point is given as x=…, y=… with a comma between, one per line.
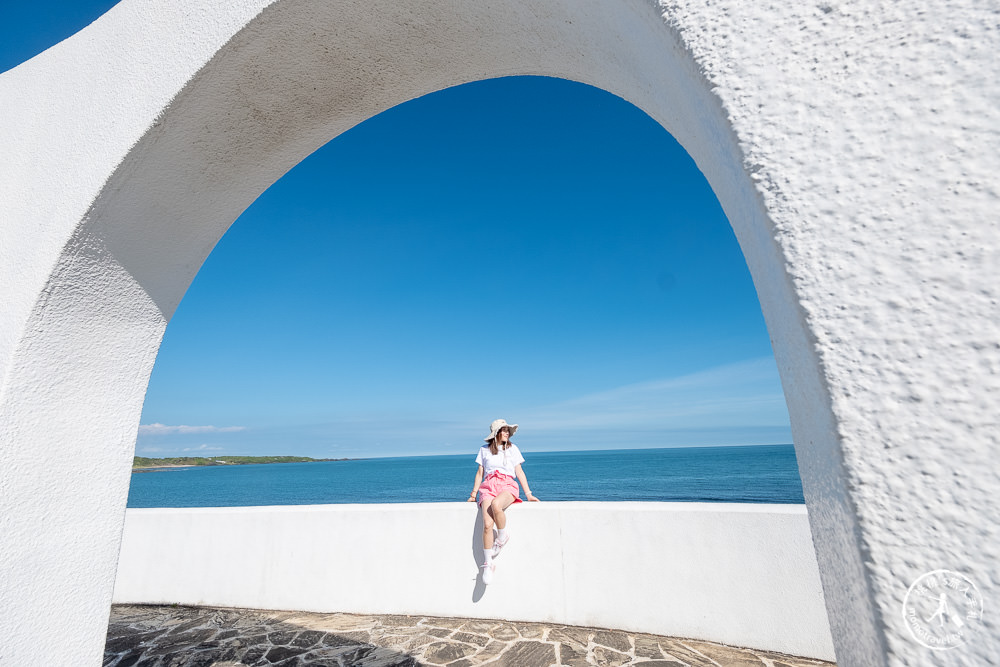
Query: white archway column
x=861, y=197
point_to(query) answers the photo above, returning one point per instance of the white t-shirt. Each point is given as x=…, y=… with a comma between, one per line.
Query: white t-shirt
x=504, y=460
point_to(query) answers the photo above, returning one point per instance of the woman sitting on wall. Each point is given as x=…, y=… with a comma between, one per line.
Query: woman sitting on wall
x=500, y=460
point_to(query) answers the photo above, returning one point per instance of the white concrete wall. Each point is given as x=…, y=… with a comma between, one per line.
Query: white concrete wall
x=852, y=143
x=741, y=574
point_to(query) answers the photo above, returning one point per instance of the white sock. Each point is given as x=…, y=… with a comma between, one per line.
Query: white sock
x=502, y=534
x=489, y=555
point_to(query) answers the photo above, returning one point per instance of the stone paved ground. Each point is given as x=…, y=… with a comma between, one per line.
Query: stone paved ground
x=170, y=636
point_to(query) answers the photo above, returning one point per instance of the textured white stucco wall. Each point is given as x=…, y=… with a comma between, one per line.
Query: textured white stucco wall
x=853, y=146
x=741, y=574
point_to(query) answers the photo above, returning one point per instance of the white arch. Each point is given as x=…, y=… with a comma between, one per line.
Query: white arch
x=131, y=147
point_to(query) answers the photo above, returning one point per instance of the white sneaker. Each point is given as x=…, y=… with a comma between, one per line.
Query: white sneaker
x=498, y=545
x=488, y=570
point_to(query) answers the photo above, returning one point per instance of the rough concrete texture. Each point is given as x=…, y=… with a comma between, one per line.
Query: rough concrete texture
x=853, y=145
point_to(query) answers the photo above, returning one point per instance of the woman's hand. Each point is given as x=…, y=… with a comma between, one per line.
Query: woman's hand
x=532, y=499
x=472, y=498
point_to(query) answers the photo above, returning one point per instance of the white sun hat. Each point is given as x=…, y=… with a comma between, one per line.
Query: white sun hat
x=497, y=425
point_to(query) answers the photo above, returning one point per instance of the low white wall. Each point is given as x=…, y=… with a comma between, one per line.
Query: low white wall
x=742, y=574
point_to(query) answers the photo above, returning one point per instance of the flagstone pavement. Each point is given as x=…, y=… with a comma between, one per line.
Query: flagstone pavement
x=174, y=636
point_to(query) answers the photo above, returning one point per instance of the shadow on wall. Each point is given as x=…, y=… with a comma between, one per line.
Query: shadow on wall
x=477, y=555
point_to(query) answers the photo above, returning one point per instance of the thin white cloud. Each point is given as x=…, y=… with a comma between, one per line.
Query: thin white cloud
x=747, y=393
x=163, y=429
x=734, y=404
x=202, y=448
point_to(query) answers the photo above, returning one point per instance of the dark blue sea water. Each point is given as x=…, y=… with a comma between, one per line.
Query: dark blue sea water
x=748, y=474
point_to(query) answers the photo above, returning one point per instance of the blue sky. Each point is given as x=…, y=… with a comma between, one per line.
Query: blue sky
x=526, y=248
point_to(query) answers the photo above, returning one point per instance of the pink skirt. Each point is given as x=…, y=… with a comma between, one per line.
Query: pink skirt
x=495, y=484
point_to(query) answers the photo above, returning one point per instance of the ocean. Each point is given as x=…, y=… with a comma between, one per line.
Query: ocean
x=746, y=474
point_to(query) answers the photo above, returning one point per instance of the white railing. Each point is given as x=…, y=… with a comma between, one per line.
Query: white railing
x=742, y=574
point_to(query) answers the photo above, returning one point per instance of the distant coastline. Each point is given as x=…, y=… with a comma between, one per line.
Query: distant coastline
x=145, y=464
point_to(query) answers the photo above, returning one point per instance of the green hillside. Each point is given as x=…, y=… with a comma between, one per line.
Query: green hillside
x=145, y=462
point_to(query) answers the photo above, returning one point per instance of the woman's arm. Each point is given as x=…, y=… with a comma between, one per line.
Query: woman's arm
x=524, y=483
x=475, y=485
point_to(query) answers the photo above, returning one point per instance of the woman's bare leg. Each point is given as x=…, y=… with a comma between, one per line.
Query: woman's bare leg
x=487, y=527
x=497, y=507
